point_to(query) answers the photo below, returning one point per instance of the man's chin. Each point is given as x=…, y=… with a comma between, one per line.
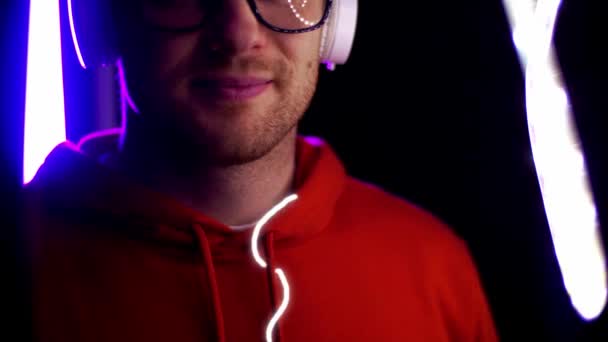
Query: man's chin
x=238, y=147
x=224, y=157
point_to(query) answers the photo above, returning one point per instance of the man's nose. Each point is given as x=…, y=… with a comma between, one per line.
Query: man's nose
x=234, y=28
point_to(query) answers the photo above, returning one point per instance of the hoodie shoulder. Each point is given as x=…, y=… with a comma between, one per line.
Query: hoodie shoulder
x=399, y=227
x=392, y=214
x=405, y=236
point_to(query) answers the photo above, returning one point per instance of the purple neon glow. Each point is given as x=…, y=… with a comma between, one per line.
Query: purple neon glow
x=74, y=37
x=100, y=134
x=44, y=106
x=125, y=97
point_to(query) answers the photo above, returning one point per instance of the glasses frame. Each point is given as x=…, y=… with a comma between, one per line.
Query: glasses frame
x=259, y=17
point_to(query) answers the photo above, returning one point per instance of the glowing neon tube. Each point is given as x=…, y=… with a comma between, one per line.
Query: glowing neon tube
x=44, y=106
x=558, y=158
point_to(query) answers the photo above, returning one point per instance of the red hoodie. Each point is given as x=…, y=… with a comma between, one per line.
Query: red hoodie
x=114, y=261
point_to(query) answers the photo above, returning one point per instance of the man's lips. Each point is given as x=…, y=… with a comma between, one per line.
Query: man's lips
x=232, y=88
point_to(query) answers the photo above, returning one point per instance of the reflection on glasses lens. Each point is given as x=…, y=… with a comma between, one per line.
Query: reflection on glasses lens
x=291, y=14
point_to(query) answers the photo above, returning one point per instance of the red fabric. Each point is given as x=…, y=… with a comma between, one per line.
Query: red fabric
x=114, y=261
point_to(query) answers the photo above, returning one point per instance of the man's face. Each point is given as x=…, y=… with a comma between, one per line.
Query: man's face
x=234, y=88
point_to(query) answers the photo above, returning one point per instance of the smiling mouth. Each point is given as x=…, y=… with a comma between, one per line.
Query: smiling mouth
x=232, y=88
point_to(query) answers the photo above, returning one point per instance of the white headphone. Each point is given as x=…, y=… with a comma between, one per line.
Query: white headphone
x=336, y=42
x=339, y=33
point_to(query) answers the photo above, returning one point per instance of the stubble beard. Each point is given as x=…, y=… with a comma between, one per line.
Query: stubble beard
x=229, y=139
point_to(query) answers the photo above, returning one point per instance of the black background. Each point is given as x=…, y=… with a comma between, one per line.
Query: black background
x=430, y=107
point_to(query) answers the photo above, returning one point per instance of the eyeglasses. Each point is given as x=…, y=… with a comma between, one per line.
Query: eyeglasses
x=287, y=16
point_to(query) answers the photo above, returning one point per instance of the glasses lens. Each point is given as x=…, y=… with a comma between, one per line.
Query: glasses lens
x=292, y=14
x=283, y=14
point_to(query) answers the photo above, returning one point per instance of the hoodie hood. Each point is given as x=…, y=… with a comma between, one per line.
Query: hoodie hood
x=74, y=180
x=74, y=183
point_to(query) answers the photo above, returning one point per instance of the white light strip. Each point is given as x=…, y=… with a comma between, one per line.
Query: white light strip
x=256, y=255
x=44, y=106
x=559, y=159
x=74, y=37
x=277, y=315
x=296, y=13
x=258, y=227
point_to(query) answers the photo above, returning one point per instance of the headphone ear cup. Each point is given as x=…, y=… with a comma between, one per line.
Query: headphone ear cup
x=339, y=32
x=91, y=35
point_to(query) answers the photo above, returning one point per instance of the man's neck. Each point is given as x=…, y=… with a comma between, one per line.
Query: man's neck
x=234, y=195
